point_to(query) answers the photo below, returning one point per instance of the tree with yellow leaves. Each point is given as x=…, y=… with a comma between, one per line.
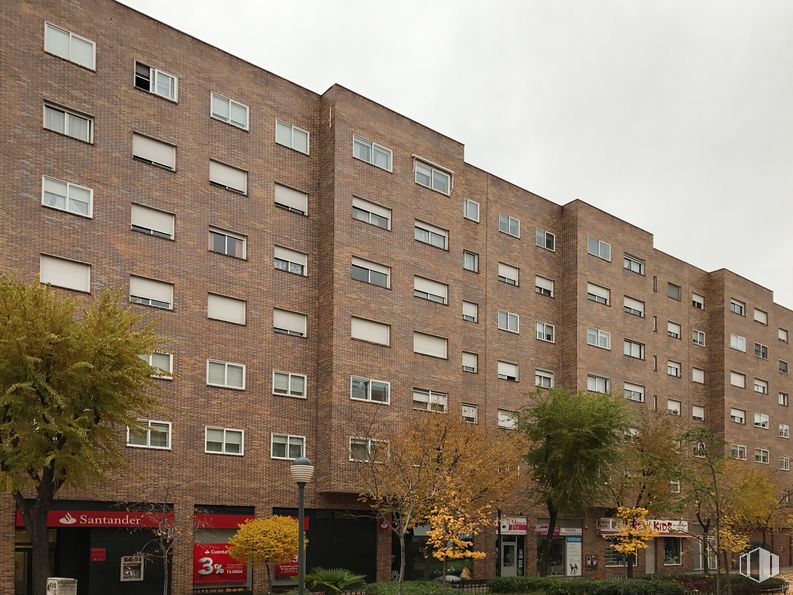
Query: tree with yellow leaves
x=266, y=541
x=634, y=534
x=453, y=526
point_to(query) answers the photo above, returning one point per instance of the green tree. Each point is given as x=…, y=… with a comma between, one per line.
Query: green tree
x=574, y=440
x=70, y=377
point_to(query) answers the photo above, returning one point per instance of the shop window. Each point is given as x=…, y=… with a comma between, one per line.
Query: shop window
x=131, y=569
x=672, y=552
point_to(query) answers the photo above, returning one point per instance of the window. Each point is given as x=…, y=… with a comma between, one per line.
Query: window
x=224, y=441
x=471, y=261
x=760, y=351
x=66, y=196
x=150, y=434
x=291, y=136
x=430, y=345
x=371, y=213
x=289, y=323
x=508, y=274
x=508, y=371
x=737, y=307
x=633, y=264
x=371, y=152
x=673, y=329
x=782, y=399
x=633, y=349
x=470, y=362
x=225, y=374
x=599, y=248
x=633, y=392
x=543, y=286
x=471, y=210
x=597, y=384
x=672, y=555
x=598, y=338
x=69, y=123
x=509, y=225
x=229, y=111
x=698, y=375
x=428, y=400
x=429, y=234
x=430, y=290
x=761, y=421
x=674, y=487
x=152, y=222
x=784, y=431
x=290, y=199
x=432, y=177
x=227, y=309
x=784, y=463
x=738, y=342
x=698, y=338
x=673, y=407
x=507, y=419
x=738, y=452
x=370, y=331
x=69, y=46
x=285, y=446
x=761, y=456
x=470, y=312
x=738, y=379
x=365, y=450
x=545, y=332
x=545, y=239
x=148, y=292
x=761, y=386
x=737, y=416
x=162, y=362
x=674, y=291
x=68, y=274
x=783, y=367
x=470, y=413
x=596, y=293
x=544, y=378
x=367, y=389
x=508, y=321
x=290, y=261
x=154, y=152
x=227, y=243
x=156, y=81
x=673, y=369
x=698, y=413
x=633, y=307
x=371, y=272
x=289, y=385
x=614, y=558
x=697, y=301
x=782, y=334
x=760, y=316
x=228, y=177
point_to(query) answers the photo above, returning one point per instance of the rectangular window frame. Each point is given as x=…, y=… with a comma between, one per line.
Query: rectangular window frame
x=292, y=130
x=226, y=366
x=300, y=439
x=369, y=382
x=67, y=115
x=598, y=248
x=373, y=148
x=545, y=239
x=67, y=199
x=147, y=430
x=429, y=175
x=69, y=57
x=289, y=393
x=225, y=442
x=153, y=81
x=230, y=103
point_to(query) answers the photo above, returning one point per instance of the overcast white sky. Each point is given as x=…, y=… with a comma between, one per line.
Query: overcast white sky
x=676, y=115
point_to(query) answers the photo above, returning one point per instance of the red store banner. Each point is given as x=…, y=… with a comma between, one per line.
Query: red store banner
x=287, y=570
x=103, y=518
x=212, y=565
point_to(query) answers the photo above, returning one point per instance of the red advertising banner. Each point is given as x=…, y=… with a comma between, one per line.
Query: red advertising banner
x=287, y=570
x=98, y=554
x=103, y=518
x=212, y=565
x=220, y=521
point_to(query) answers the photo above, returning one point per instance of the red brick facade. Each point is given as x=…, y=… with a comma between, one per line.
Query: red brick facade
x=331, y=237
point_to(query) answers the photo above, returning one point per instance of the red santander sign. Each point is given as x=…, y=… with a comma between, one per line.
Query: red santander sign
x=103, y=518
x=212, y=565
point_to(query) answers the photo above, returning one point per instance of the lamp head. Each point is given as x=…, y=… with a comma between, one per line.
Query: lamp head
x=302, y=470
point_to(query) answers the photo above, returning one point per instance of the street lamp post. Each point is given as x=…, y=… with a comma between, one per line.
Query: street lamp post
x=302, y=472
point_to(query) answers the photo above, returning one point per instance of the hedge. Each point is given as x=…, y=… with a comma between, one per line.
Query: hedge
x=411, y=588
x=740, y=584
x=557, y=586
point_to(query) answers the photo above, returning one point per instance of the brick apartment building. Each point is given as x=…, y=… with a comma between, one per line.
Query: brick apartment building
x=314, y=259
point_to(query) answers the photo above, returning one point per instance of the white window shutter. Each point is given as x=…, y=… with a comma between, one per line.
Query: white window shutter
x=230, y=177
x=225, y=308
x=429, y=345
x=290, y=321
x=294, y=199
x=153, y=150
x=368, y=330
x=65, y=273
x=153, y=219
x=148, y=288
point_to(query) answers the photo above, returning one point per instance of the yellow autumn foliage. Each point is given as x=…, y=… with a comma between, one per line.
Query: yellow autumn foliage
x=636, y=531
x=268, y=541
x=453, y=525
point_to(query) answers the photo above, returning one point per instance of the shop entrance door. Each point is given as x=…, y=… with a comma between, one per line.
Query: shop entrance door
x=509, y=566
x=649, y=561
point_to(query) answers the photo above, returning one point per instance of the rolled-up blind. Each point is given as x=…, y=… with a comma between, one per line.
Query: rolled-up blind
x=225, y=308
x=227, y=176
x=65, y=273
x=154, y=150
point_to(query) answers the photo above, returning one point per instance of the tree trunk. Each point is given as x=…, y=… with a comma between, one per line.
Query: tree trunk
x=546, y=545
x=444, y=571
x=35, y=519
x=705, y=545
x=629, y=560
x=401, y=562
x=727, y=571
x=165, y=573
